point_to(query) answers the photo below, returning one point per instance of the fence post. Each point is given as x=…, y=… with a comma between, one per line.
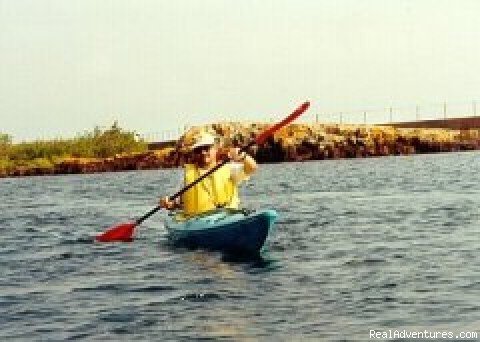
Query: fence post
x=391, y=114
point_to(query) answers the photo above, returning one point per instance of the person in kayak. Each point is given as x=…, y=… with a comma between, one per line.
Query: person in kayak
x=220, y=189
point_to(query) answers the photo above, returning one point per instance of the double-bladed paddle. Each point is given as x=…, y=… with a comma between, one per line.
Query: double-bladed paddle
x=124, y=232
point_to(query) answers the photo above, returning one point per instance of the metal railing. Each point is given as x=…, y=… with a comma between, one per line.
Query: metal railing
x=368, y=116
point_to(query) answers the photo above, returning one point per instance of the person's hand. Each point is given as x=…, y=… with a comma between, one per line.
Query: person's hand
x=223, y=154
x=236, y=155
x=166, y=203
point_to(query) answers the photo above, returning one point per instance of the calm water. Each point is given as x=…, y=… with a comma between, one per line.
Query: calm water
x=390, y=243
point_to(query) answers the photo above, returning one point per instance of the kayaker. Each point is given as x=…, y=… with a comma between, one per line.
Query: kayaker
x=220, y=189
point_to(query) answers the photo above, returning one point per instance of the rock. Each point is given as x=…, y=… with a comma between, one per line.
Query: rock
x=296, y=142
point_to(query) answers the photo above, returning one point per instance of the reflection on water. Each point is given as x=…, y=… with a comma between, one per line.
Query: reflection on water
x=212, y=263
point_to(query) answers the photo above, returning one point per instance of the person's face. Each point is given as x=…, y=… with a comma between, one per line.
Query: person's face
x=204, y=155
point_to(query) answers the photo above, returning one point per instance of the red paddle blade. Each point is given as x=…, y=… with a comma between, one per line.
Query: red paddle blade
x=123, y=232
x=296, y=113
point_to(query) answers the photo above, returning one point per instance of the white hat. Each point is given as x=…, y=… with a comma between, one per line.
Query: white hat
x=205, y=139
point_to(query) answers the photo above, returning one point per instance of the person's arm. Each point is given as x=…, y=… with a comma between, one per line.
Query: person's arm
x=249, y=164
x=243, y=165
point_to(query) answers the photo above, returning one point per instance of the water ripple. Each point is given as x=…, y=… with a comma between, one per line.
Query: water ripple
x=384, y=243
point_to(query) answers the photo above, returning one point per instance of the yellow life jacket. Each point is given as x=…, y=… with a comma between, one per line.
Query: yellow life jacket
x=214, y=191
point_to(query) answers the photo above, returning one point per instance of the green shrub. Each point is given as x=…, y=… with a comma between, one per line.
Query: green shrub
x=42, y=163
x=6, y=166
x=96, y=144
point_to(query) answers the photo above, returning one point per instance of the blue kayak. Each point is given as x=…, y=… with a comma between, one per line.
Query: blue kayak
x=227, y=230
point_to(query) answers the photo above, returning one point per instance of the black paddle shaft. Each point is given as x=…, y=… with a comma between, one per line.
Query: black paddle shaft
x=192, y=184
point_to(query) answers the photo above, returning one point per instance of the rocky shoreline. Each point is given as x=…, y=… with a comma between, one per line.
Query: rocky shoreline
x=297, y=142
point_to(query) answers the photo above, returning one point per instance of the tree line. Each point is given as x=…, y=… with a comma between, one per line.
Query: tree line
x=98, y=143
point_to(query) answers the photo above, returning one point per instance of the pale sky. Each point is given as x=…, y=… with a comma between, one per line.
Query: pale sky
x=157, y=65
